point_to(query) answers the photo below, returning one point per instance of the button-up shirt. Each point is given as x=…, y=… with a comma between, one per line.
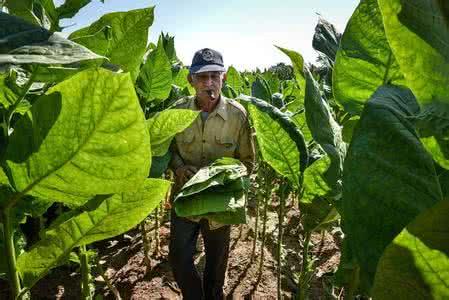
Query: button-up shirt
x=224, y=133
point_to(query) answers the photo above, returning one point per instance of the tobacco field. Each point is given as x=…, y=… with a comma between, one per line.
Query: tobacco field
x=348, y=200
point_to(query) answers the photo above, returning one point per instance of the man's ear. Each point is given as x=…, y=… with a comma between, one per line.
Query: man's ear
x=190, y=79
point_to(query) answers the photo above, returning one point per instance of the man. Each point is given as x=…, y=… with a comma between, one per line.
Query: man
x=221, y=130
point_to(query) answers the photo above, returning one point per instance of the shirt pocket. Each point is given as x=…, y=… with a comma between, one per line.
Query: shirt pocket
x=186, y=142
x=225, y=146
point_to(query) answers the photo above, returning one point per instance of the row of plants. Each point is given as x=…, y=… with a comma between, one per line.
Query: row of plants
x=357, y=139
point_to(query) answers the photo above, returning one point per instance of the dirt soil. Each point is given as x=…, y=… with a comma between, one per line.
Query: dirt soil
x=135, y=277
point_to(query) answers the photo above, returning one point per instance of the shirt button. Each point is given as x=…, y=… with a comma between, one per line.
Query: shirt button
x=204, y=141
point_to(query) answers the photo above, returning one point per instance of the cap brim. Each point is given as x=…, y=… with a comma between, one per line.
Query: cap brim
x=207, y=68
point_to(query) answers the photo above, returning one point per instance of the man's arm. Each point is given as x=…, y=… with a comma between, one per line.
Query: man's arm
x=245, y=150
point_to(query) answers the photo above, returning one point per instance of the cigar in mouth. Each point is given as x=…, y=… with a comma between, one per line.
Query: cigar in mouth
x=211, y=94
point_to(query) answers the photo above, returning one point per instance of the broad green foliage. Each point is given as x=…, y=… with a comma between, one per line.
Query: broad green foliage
x=314, y=183
x=298, y=70
x=181, y=81
x=70, y=8
x=364, y=61
x=325, y=131
x=235, y=80
x=389, y=178
x=26, y=43
x=300, y=121
x=326, y=39
x=260, y=89
x=276, y=146
x=22, y=9
x=431, y=144
x=53, y=74
x=155, y=77
x=165, y=125
x=269, y=112
x=85, y=136
x=416, y=264
x=216, y=192
x=7, y=95
x=273, y=82
x=120, y=36
x=115, y=215
x=418, y=33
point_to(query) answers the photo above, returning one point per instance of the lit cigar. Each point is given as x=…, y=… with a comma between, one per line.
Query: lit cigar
x=211, y=94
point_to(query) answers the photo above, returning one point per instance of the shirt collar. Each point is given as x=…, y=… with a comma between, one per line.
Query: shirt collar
x=220, y=109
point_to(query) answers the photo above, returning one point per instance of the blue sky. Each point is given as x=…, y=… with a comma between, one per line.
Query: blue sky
x=244, y=31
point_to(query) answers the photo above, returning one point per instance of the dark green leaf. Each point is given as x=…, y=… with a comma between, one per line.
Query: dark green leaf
x=261, y=90
x=325, y=131
x=70, y=8
x=24, y=43
x=415, y=265
x=326, y=39
x=389, y=178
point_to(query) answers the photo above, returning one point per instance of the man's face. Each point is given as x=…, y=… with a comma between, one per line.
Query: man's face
x=207, y=84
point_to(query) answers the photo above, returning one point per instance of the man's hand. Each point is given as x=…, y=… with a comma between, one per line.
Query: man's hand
x=184, y=173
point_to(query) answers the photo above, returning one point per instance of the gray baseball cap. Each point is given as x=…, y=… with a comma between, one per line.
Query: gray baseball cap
x=207, y=60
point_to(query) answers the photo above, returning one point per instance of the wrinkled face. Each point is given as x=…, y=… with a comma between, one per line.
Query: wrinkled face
x=207, y=84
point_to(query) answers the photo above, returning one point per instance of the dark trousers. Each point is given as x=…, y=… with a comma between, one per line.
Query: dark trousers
x=183, y=237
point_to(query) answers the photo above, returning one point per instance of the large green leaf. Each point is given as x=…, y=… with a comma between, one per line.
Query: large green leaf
x=120, y=36
x=389, y=178
x=234, y=80
x=276, y=133
x=155, y=77
x=364, y=61
x=418, y=33
x=181, y=81
x=416, y=264
x=314, y=184
x=325, y=130
x=276, y=146
x=260, y=89
x=298, y=70
x=25, y=43
x=85, y=136
x=165, y=125
x=70, y=8
x=115, y=215
x=22, y=9
x=326, y=39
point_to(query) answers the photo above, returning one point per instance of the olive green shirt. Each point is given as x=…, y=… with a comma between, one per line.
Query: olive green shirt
x=225, y=133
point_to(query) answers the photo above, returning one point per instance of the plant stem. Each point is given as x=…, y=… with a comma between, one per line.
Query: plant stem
x=282, y=197
x=85, y=274
x=8, y=237
x=267, y=191
x=256, y=226
x=302, y=284
x=146, y=243
x=156, y=231
x=108, y=282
